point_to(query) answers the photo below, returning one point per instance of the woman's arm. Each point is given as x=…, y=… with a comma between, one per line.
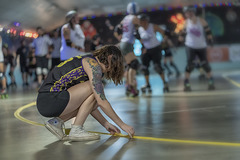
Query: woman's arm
x=207, y=30
x=109, y=127
x=66, y=35
x=94, y=72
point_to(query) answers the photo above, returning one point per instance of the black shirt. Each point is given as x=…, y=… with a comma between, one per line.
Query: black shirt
x=66, y=75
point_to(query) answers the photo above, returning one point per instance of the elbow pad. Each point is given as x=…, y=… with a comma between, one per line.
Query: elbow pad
x=207, y=30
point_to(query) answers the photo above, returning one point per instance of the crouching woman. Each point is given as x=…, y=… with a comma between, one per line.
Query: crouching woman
x=74, y=89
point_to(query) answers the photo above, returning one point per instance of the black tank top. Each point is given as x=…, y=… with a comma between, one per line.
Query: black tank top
x=66, y=75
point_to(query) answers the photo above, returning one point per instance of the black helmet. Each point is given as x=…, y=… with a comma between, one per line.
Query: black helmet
x=189, y=9
x=143, y=17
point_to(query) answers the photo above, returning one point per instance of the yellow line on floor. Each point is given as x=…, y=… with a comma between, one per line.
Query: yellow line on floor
x=18, y=116
x=229, y=144
x=232, y=81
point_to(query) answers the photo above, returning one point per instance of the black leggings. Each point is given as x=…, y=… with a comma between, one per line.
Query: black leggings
x=192, y=54
x=154, y=55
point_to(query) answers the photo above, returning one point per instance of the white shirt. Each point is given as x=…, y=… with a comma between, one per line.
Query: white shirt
x=148, y=37
x=41, y=45
x=77, y=37
x=128, y=29
x=195, y=37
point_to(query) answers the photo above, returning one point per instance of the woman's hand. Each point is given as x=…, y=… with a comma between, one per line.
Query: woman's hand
x=111, y=128
x=130, y=130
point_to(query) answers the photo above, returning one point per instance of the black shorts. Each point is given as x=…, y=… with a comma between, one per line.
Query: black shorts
x=9, y=60
x=154, y=55
x=41, y=62
x=52, y=104
x=192, y=54
x=23, y=67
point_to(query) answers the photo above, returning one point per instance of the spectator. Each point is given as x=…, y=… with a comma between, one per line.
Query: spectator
x=56, y=48
x=23, y=51
x=43, y=47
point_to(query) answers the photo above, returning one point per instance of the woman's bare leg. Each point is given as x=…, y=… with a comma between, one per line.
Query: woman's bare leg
x=3, y=81
x=81, y=103
x=131, y=74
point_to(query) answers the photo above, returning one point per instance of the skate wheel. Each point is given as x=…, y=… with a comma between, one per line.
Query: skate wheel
x=4, y=96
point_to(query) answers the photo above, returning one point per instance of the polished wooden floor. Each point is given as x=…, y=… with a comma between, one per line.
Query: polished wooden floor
x=201, y=125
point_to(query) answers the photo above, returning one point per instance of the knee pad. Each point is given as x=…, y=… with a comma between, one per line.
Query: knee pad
x=10, y=73
x=134, y=64
x=38, y=71
x=45, y=71
x=206, y=67
x=190, y=67
x=145, y=70
x=2, y=75
x=158, y=68
x=172, y=64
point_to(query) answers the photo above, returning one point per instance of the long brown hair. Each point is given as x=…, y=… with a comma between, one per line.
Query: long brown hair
x=116, y=65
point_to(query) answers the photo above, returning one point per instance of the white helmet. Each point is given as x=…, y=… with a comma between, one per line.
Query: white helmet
x=70, y=15
x=189, y=9
x=133, y=8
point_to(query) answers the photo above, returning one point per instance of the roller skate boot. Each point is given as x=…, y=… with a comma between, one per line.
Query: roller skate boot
x=187, y=86
x=13, y=84
x=132, y=91
x=146, y=88
x=4, y=94
x=211, y=84
x=165, y=88
x=127, y=91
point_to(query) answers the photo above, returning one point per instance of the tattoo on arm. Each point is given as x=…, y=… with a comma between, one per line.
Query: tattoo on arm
x=97, y=77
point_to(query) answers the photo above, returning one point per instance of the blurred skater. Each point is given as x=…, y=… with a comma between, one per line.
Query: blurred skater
x=197, y=34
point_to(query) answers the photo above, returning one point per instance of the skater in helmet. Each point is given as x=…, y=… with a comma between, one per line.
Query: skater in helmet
x=129, y=24
x=151, y=51
x=197, y=34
